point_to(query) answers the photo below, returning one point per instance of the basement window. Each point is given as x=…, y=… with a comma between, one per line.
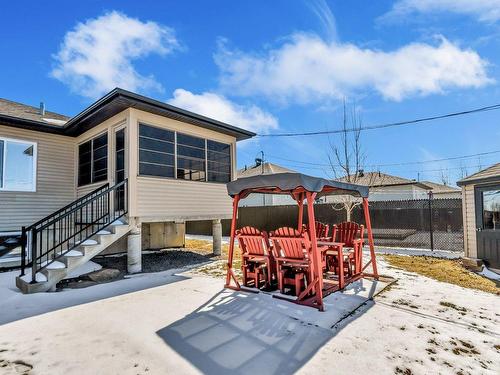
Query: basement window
x=17, y=165
x=93, y=160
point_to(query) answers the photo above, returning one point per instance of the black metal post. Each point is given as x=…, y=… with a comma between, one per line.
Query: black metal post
x=431, y=226
x=23, y=250
x=33, y=256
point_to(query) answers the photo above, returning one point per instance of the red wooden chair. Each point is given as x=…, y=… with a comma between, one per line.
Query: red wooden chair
x=257, y=259
x=293, y=261
x=322, y=230
x=351, y=234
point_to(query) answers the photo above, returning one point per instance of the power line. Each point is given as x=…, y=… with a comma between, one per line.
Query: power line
x=394, y=164
x=388, y=125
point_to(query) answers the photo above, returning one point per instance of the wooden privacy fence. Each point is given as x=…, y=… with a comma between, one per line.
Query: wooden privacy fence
x=422, y=223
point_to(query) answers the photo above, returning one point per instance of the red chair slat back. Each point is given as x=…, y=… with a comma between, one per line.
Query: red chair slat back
x=347, y=232
x=253, y=241
x=290, y=243
x=322, y=230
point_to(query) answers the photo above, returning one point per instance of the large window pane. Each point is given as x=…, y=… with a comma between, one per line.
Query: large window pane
x=491, y=209
x=17, y=165
x=100, y=158
x=93, y=160
x=146, y=169
x=156, y=151
x=219, y=161
x=191, y=158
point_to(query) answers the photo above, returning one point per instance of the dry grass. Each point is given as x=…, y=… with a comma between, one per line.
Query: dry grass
x=216, y=269
x=446, y=270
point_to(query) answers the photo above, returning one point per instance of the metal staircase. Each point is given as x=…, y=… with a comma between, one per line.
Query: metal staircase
x=59, y=243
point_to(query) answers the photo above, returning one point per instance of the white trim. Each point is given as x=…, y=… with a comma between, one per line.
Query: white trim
x=35, y=164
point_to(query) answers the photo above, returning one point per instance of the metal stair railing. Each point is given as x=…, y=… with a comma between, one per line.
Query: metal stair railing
x=55, y=235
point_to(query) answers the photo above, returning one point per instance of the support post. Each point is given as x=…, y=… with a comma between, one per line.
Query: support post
x=134, y=248
x=24, y=242
x=300, y=219
x=230, y=272
x=368, y=223
x=217, y=237
x=431, y=226
x=318, y=268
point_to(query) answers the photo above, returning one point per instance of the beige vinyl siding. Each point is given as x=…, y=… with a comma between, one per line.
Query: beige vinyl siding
x=54, y=180
x=469, y=215
x=163, y=199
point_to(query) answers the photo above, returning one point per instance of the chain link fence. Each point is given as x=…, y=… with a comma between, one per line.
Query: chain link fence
x=434, y=224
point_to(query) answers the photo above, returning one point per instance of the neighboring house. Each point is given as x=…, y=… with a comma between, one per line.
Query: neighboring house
x=264, y=199
x=170, y=166
x=440, y=191
x=481, y=215
x=385, y=187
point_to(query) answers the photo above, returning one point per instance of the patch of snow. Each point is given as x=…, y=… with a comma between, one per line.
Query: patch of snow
x=40, y=277
x=419, y=252
x=89, y=242
x=193, y=325
x=56, y=266
x=54, y=121
x=117, y=222
x=73, y=253
x=489, y=274
x=103, y=232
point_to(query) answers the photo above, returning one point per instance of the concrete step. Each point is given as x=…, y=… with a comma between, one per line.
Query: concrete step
x=54, y=272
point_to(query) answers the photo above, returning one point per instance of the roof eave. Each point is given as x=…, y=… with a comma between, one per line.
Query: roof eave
x=141, y=102
x=123, y=99
x=22, y=123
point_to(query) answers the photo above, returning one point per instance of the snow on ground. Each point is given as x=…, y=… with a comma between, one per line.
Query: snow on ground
x=489, y=274
x=183, y=323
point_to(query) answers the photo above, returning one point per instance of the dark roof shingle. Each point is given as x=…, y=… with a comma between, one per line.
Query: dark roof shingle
x=27, y=112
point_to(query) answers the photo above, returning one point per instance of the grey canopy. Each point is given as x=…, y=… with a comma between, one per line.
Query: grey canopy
x=288, y=182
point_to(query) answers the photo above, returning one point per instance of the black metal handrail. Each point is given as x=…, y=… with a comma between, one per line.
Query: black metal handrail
x=55, y=235
x=78, y=202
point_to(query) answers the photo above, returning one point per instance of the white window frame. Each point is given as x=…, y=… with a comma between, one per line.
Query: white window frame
x=35, y=163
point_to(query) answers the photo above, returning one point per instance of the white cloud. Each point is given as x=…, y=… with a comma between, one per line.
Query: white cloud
x=483, y=10
x=97, y=55
x=218, y=107
x=306, y=68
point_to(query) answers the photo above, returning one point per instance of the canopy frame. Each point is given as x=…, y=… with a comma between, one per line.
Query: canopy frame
x=301, y=194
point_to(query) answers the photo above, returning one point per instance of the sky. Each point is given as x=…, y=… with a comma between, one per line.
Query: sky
x=278, y=67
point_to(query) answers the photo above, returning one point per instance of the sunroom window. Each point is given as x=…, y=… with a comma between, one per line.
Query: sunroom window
x=166, y=153
x=93, y=160
x=17, y=165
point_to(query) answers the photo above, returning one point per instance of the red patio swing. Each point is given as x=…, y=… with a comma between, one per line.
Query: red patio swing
x=302, y=188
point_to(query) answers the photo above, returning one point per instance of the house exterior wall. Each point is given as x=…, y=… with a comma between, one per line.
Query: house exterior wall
x=450, y=195
x=54, y=180
x=151, y=199
x=257, y=199
x=469, y=219
x=156, y=199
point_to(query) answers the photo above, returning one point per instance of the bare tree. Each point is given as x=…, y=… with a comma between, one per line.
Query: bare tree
x=346, y=158
x=445, y=179
x=463, y=170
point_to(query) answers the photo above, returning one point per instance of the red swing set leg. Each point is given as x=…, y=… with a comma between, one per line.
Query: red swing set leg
x=230, y=271
x=372, y=260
